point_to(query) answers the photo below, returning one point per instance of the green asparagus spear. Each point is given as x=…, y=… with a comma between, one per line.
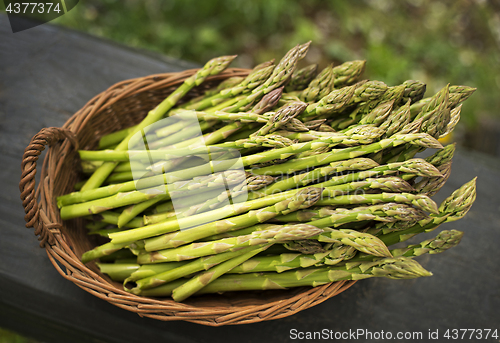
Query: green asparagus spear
x=301, y=78
x=213, y=67
x=320, y=86
x=316, y=174
x=393, y=268
x=135, y=285
x=414, y=91
x=420, y=139
x=280, y=75
x=302, y=199
x=418, y=200
x=201, y=280
x=463, y=93
x=118, y=271
x=194, y=250
x=254, y=79
x=334, y=217
x=348, y=73
x=134, y=197
x=452, y=208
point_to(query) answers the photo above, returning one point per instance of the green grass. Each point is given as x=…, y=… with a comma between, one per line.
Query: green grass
x=7, y=336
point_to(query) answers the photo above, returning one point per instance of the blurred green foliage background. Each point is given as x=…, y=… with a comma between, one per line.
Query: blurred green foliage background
x=437, y=42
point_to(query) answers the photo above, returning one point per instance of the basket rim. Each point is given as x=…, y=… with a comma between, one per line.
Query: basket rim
x=50, y=228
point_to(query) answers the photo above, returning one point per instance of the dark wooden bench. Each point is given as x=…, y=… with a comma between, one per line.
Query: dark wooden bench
x=48, y=73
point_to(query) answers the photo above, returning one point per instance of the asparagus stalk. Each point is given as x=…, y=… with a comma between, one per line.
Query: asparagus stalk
x=445, y=240
x=302, y=199
x=431, y=185
x=213, y=67
x=238, y=116
x=225, y=84
x=316, y=174
x=194, y=250
x=414, y=91
x=96, y=225
x=171, y=128
x=397, y=120
x=360, y=241
x=147, y=270
x=280, y=75
x=386, y=184
x=315, y=124
x=393, y=268
x=281, y=117
x=174, y=225
x=334, y=217
x=118, y=271
x=442, y=156
x=392, y=94
x=320, y=86
x=454, y=119
x=279, y=263
x=114, y=138
x=420, y=139
x=348, y=73
x=295, y=125
x=361, y=134
x=133, y=211
x=110, y=217
x=253, y=183
x=102, y=250
x=287, y=261
x=333, y=102
x=306, y=246
x=189, y=133
x=268, y=101
x=413, y=167
x=439, y=158
x=182, y=269
x=463, y=93
x=203, y=279
x=167, y=191
x=228, y=83
x=452, y=208
x=105, y=232
x=378, y=114
x=256, y=77
x=418, y=200
x=301, y=78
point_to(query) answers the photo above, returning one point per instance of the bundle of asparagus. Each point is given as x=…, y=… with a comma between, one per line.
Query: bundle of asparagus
x=285, y=178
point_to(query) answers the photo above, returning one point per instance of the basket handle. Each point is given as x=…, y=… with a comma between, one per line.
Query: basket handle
x=47, y=136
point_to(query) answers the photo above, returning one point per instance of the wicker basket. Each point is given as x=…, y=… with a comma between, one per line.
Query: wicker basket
x=123, y=105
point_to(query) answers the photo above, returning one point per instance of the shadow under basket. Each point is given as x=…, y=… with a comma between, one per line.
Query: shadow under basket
x=121, y=106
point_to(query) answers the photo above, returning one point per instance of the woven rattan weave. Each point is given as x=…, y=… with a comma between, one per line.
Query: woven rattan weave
x=123, y=105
